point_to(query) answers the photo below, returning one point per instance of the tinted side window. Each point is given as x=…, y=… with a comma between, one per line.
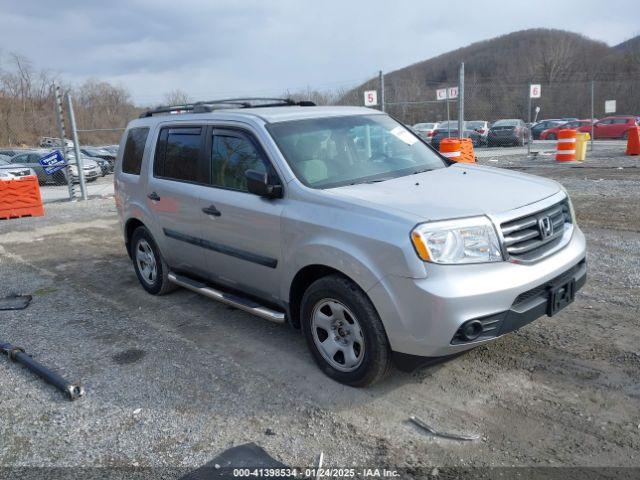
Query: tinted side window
x=179, y=155
x=231, y=156
x=133, y=150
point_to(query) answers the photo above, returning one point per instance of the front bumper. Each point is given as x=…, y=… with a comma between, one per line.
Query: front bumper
x=88, y=174
x=422, y=316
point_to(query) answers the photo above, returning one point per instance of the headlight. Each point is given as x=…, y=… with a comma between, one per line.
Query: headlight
x=467, y=240
x=572, y=212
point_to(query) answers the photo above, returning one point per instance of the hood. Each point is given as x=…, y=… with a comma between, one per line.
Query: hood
x=86, y=162
x=453, y=192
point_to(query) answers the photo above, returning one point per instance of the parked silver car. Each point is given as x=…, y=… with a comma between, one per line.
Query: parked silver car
x=342, y=222
x=31, y=159
x=9, y=170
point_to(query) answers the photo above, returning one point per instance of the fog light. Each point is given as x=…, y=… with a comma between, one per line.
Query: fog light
x=472, y=330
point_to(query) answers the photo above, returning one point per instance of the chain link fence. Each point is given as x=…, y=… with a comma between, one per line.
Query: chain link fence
x=34, y=129
x=486, y=102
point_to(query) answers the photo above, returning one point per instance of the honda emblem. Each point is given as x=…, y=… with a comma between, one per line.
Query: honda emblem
x=545, y=226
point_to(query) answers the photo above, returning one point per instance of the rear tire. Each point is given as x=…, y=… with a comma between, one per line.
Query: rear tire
x=151, y=270
x=625, y=135
x=344, y=332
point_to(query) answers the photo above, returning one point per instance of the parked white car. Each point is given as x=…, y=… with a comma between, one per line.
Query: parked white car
x=425, y=130
x=480, y=126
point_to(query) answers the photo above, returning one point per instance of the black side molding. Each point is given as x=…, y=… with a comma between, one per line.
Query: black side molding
x=224, y=249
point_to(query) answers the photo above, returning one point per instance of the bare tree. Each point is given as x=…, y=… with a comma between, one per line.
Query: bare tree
x=27, y=106
x=176, y=97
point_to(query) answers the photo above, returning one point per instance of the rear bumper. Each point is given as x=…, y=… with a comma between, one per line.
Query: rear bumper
x=502, y=138
x=422, y=316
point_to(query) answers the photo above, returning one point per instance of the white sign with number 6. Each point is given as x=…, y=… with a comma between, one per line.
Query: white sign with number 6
x=370, y=98
x=535, y=90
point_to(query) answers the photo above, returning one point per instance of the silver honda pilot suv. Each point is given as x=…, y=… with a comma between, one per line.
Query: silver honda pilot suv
x=342, y=222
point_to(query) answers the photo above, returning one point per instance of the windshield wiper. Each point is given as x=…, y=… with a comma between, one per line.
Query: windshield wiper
x=378, y=180
x=422, y=171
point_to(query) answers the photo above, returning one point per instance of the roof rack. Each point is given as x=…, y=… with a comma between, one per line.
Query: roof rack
x=210, y=106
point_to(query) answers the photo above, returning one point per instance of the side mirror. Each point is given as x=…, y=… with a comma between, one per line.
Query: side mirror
x=258, y=183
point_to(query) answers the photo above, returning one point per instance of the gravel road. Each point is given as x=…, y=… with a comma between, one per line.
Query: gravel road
x=172, y=381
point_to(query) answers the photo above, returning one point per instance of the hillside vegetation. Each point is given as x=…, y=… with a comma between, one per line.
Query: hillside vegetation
x=499, y=71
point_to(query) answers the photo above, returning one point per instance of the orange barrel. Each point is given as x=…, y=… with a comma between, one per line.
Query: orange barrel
x=451, y=148
x=20, y=197
x=566, y=150
x=467, y=155
x=633, y=141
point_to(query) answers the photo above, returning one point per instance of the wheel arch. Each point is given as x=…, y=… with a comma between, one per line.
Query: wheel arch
x=302, y=280
x=130, y=227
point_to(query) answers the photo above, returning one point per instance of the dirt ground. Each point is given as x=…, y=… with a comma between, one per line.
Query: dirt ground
x=172, y=381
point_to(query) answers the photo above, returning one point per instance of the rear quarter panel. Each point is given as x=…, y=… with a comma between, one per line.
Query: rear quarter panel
x=130, y=190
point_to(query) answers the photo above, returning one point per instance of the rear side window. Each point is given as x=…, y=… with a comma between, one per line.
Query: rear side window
x=179, y=155
x=231, y=156
x=133, y=150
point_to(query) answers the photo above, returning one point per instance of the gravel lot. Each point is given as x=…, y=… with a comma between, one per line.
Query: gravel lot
x=172, y=381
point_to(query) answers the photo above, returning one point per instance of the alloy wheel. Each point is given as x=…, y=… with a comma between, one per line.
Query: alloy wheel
x=337, y=335
x=146, y=261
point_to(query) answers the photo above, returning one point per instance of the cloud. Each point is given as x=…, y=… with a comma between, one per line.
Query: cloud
x=256, y=47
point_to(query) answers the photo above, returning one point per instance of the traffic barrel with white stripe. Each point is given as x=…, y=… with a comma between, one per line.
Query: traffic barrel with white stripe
x=451, y=148
x=566, y=149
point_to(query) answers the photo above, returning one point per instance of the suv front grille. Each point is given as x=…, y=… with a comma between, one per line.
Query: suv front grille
x=528, y=238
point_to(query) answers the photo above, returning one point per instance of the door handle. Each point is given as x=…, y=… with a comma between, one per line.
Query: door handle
x=212, y=210
x=153, y=196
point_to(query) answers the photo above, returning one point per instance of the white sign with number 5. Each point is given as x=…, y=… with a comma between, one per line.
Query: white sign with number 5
x=535, y=90
x=370, y=98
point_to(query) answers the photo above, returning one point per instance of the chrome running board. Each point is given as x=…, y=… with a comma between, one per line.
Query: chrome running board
x=240, y=303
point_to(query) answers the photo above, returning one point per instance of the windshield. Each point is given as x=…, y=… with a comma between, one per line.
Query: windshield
x=474, y=124
x=423, y=126
x=331, y=152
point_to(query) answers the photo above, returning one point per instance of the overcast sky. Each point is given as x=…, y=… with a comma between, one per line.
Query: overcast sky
x=225, y=48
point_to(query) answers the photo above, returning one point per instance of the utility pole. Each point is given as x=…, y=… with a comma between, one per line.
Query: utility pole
x=76, y=147
x=592, y=114
x=448, y=116
x=63, y=140
x=381, y=78
x=461, y=101
x=529, y=122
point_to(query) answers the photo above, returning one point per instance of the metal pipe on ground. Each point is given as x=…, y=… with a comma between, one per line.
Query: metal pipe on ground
x=72, y=391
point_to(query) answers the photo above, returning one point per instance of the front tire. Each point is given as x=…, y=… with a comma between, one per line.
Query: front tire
x=344, y=332
x=151, y=270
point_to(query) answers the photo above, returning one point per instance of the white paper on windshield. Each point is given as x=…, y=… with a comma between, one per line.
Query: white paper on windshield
x=404, y=135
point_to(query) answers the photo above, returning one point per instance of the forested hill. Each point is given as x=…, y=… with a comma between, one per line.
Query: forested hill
x=498, y=71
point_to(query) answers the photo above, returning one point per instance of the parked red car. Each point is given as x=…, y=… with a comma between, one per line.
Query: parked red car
x=612, y=127
x=552, y=133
